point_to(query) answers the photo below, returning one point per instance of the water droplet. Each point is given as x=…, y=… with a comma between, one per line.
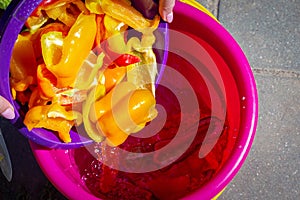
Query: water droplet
x=243, y=98
x=96, y=151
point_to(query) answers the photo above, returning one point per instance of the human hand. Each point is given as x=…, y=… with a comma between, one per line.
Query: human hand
x=6, y=109
x=166, y=9
x=149, y=8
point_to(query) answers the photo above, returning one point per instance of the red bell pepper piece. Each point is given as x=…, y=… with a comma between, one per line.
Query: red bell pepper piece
x=127, y=59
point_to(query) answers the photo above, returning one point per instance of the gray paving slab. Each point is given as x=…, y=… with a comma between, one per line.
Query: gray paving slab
x=272, y=169
x=268, y=31
x=211, y=5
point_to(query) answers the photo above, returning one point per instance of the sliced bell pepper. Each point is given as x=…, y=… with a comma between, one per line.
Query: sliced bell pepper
x=143, y=74
x=70, y=97
x=89, y=71
x=46, y=82
x=21, y=85
x=46, y=3
x=114, y=30
x=66, y=12
x=35, y=38
x=94, y=6
x=113, y=26
x=23, y=64
x=36, y=22
x=52, y=117
x=116, y=72
x=103, y=105
x=35, y=99
x=76, y=48
x=133, y=111
x=64, y=47
x=122, y=11
x=100, y=35
x=90, y=128
x=127, y=59
x=56, y=110
x=113, y=76
x=52, y=44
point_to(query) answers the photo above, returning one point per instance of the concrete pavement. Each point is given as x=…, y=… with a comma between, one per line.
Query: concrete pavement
x=269, y=34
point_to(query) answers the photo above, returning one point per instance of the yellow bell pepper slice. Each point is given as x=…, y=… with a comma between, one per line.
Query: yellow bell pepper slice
x=94, y=6
x=76, y=48
x=103, y=105
x=122, y=11
x=52, y=117
x=90, y=128
x=23, y=64
x=127, y=116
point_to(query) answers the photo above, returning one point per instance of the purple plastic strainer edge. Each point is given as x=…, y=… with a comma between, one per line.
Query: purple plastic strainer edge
x=11, y=24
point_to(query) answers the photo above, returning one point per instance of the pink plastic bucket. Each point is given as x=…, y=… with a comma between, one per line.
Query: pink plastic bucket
x=236, y=87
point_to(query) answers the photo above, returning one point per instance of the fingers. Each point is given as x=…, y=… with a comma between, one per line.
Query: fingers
x=166, y=9
x=6, y=110
x=148, y=8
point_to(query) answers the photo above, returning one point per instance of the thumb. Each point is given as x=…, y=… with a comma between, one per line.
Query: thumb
x=166, y=9
x=6, y=109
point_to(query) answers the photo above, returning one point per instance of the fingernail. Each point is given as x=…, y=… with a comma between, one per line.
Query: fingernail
x=169, y=17
x=8, y=113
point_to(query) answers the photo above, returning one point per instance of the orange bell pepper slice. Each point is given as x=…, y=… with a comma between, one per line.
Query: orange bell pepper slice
x=113, y=76
x=100, y=35
x=46, y=82
x=23, y=64
x=53, y=117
